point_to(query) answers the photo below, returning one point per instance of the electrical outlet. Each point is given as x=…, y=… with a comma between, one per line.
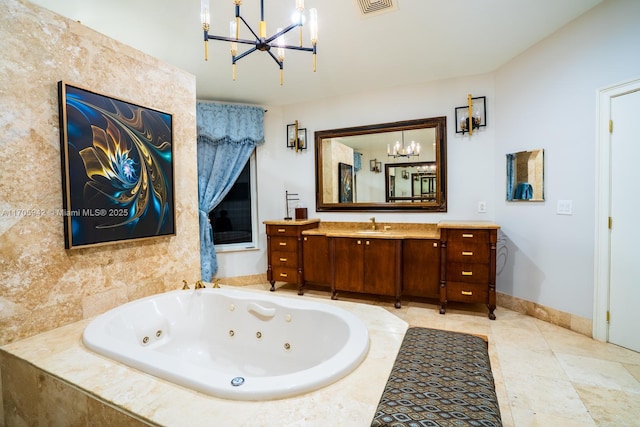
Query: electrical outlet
x=482, y=206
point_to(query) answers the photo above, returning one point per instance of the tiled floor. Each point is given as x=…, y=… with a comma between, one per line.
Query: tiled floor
x=545, y=375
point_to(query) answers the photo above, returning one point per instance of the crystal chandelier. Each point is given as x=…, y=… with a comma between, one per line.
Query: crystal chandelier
x=260, y=41
x=397, y=150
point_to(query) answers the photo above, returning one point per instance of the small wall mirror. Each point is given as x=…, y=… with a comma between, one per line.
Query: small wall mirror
x=525, y=176
x=412, y=154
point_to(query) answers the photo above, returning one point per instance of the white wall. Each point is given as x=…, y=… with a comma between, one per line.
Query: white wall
x=546, y=98
x=470, y=167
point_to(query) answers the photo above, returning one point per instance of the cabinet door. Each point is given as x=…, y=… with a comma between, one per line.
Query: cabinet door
x=421, y=268
x=348, y=264
x=316, y=266
x=381, y=266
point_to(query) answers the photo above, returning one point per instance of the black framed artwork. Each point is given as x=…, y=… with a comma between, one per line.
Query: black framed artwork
x=117, y=169
x=345, y=183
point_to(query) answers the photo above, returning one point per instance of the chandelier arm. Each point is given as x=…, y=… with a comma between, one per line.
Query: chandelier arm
x=280, y=63
x=249, y=28
x=243, y=54
x=294, y=47
x=281, y=32
x=231, y=39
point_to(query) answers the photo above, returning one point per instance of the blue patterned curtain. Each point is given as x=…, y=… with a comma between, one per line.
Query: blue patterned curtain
x=227, y=135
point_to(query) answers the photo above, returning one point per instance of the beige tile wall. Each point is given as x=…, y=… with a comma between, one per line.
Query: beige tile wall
x=42, y=285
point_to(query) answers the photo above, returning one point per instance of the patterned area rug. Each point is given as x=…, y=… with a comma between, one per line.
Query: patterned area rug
x=439, y=379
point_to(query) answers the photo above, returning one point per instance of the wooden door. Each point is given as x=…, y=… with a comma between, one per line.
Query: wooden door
x=624, y=279
x=421, y=268
x=348, y=264
x=380, y=266
x=316, y=266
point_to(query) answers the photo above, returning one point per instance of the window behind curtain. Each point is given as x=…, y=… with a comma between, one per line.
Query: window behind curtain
x=234, y=220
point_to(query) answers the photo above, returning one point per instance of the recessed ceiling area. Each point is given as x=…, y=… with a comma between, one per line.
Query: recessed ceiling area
x=418, y=41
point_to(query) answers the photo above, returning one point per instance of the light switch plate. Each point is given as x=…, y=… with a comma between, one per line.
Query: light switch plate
x=565, y=207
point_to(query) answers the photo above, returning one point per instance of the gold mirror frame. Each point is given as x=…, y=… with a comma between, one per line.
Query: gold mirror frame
x=435, y=204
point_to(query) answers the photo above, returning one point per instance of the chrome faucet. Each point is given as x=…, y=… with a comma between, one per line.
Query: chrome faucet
x=373, y=222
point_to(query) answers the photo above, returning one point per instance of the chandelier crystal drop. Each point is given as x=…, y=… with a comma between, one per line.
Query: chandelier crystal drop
x=260, y=41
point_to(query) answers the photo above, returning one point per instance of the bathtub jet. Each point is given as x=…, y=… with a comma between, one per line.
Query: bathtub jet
x=233, y=344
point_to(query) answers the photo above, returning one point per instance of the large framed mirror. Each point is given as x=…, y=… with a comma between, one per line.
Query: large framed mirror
x=525, y=176
x=350, y=162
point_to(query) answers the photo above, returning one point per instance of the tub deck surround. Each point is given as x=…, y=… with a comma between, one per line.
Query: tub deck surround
x=232, y=343
x=349, y=401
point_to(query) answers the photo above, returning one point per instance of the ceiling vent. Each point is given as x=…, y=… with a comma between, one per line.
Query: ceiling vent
x=374, y=7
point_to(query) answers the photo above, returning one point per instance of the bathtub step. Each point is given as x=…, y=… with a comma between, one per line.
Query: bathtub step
x=439, y=378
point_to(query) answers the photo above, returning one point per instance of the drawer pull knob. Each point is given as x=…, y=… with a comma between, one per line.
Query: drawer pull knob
x=305, y=239
x=283, y=274
x=367, y=242
x=281, y=230
x=359, y=242
x=465, y=253
x=435, y=245
x=283, y=260
x=467, y=235
x=467, y=273
x=283, y=243
x=468, y=293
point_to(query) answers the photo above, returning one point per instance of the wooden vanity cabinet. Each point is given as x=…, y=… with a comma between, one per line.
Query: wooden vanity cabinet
x=366, y=265
x=468, y=266
x=284, y=251
x=421, y=268
x=316, y=264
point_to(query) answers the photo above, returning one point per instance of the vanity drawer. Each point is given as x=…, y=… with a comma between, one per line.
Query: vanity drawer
x=283, y=230
x=284, y=259
x=468, y=273
x=285, y=274
x=468, y=253
x=284, y=244
x=467, y=292
x=473, y=236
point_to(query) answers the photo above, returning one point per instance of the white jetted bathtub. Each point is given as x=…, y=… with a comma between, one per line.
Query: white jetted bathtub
x=231, y=343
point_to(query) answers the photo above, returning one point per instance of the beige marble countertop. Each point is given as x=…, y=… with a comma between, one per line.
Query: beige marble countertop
x=291, y=221
x=61, y=353
x=392, y=230
x=468, y=224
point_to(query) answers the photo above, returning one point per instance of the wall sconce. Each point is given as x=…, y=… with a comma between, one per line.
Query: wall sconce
x=472, y=116
x=296, y=137
x=375, y=166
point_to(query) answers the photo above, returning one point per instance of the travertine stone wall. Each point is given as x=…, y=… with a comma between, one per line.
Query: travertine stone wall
x=42, y=285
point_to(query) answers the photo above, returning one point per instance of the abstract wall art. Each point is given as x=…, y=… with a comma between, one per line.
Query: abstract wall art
x=345, y=180
x=117, y=169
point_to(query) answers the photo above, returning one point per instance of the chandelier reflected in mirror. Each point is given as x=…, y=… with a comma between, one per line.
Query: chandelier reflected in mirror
x=260, y=41
x=400, y=150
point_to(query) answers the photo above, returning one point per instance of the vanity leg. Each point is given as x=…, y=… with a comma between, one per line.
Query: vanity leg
x=300, y=290
x=397, y=304
x=442, y=309
x=334, y=295
x=273, y=287
x=491, y=315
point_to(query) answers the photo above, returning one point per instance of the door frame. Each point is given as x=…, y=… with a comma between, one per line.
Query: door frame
x=602, y=245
